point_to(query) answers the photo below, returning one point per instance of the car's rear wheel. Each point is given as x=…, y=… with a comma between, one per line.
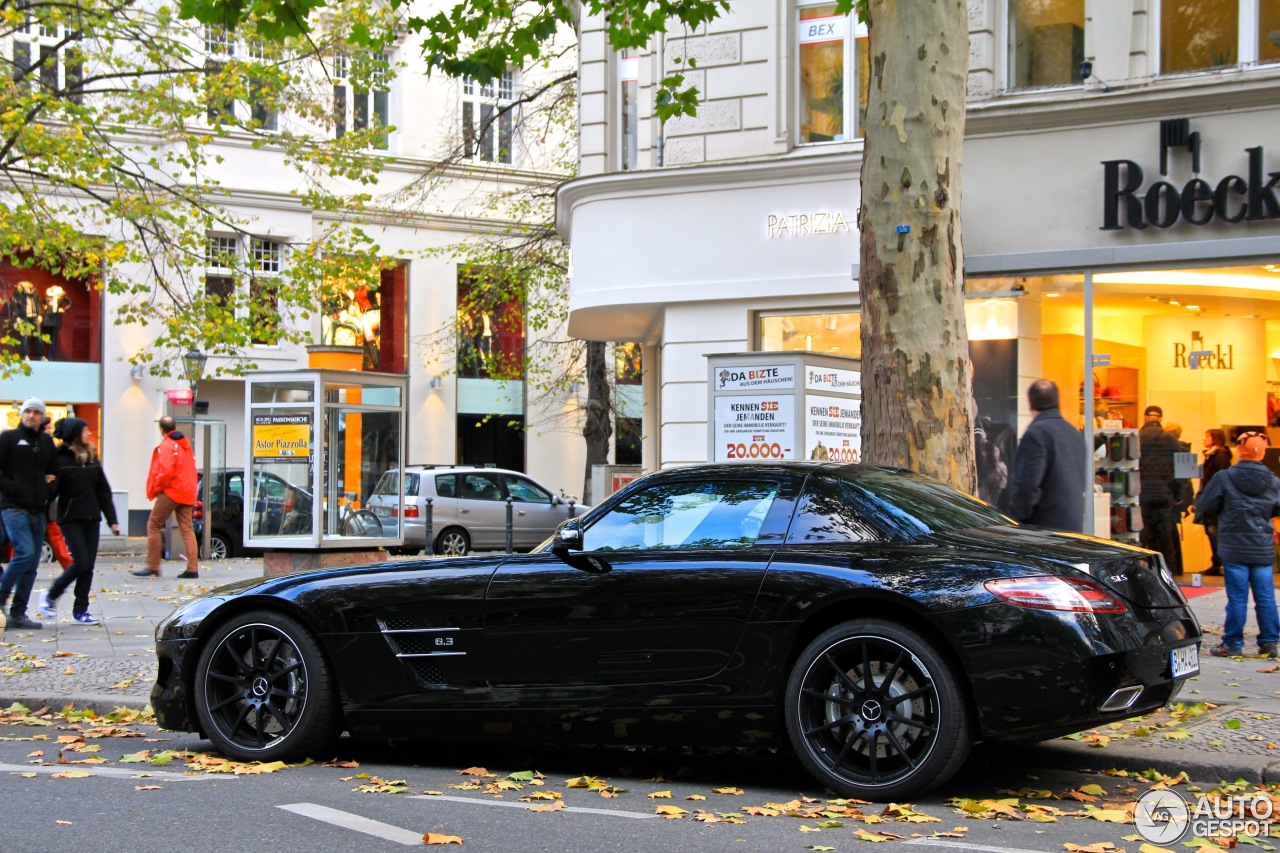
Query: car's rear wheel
x=453, y=542
x=220, y=546
x=874, y=711
x=263, y=690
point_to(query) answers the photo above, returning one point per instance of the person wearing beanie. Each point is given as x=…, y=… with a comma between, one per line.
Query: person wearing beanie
x=26, y=479
x=84, y=498
x=1245, y=498
x=52, y=532
x=171, y=483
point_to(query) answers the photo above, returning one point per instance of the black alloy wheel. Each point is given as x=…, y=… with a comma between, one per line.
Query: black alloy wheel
x=263, y=690
x=874, y=711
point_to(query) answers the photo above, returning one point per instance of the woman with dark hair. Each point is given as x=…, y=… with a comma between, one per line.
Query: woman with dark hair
x=1217, y=457
x=84, y=497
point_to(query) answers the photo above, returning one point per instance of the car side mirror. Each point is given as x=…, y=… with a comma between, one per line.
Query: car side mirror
x=568, y=537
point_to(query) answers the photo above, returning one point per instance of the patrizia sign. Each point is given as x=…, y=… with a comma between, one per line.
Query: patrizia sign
x=1233, y=198
x=820, y=222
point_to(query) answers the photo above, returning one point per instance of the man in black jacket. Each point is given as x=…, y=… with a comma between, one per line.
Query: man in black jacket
x=1245, y=497
x=1155, y=466
x=26, y=470
x=1047, y=484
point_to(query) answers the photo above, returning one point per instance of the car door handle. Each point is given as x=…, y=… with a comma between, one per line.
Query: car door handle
x=521, y=512
x=463, y=511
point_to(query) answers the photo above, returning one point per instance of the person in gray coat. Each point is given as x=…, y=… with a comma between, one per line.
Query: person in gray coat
x=1048, y=480
x=1245, y=498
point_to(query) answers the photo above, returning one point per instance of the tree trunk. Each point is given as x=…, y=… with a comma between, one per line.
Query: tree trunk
x=597, y=428
x=915, y=356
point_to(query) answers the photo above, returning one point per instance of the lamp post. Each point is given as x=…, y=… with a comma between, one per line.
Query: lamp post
x=193, y=366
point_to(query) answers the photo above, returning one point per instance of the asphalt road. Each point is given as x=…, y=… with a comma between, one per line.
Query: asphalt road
x=118, y=805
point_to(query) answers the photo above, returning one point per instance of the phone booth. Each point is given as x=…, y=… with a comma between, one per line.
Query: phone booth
x=318, y=442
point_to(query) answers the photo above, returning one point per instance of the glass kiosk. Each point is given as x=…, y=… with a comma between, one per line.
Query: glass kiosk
x=317, y=442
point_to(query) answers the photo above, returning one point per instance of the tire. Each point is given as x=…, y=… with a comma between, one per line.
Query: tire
x=46, y=552
x=908, y=730
x=220, y=546
x=453, y=542
x=253, y=659
x=362, y=523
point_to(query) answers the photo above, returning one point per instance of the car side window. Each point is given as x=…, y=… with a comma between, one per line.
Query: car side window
x=411, y=484
x=235, y=485
x=684, y=516
x=446, y=485
x=481, y=487
x=521, y=489
x=828, y=512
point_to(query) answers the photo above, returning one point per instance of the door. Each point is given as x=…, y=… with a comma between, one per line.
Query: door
x=661, y=592
x=482, y=509
x=534, y=512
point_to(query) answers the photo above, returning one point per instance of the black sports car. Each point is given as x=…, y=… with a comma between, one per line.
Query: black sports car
x=876, y=621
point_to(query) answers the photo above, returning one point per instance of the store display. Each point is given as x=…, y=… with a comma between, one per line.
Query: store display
x=1115, y=466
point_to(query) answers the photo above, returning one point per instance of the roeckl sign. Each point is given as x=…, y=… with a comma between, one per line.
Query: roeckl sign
x=1234, y=198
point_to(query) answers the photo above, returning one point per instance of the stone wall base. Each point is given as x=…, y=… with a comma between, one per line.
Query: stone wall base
x=288, y=562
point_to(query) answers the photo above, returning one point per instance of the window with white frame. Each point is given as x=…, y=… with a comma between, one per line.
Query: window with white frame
x=1046, y=43
x=221, y=48
x=629, y=109
x=263, y=261
x=1197, y=35
x=46, y=54
x=484, y=106
x=833, y=66
x=361, y=95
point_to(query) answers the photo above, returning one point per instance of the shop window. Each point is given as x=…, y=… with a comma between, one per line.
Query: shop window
x=627, y=443
x=832, y=50
x=837, y=332
x=630, y=364
x=629, y=107
x=1199, y=34
x=47, y=317
x=361, y=95
x=1268, y=31
x=47, y=55
x=1046, y=42
x=490, y=328
x=485, y=105
x=366, y=308
x=497, y=440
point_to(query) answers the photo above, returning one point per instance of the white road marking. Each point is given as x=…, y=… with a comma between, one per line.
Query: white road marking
x=525, y=806
x=120, y=772
x=964, y=845
x=356, y=823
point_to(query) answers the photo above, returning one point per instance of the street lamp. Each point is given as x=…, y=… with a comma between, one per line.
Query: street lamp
x=193, y=366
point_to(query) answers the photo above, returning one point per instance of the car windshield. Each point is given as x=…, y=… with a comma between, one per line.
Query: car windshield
x=859, y=504
x=387, y=485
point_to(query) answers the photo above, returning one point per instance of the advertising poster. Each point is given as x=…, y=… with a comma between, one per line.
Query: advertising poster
x=282, y=437
x=833, y=428
x=832, y=379
x=754, y=378
x=754, y=427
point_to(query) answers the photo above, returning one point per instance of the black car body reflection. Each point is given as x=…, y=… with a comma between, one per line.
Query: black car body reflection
x=876, y=622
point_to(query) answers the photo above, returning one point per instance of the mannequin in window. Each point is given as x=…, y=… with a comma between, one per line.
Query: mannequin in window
x=482, y=340
x=370, y=314
x=24, y=319
x=56, y=303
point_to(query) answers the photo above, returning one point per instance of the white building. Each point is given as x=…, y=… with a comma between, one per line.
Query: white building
x=1121, y=214
x=87, y=369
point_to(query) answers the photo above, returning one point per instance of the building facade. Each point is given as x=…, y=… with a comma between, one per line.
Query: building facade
x=1121, y=220
x=456, y=413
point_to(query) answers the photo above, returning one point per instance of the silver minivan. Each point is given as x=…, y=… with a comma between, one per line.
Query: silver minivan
x=469, y=507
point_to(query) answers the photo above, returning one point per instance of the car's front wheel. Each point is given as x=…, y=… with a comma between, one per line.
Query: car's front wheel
x=263, y=690
x=874, y=711
x=453, y=542
x=220, y=546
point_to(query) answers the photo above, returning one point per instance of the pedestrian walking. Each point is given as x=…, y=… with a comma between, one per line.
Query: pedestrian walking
x=1217, y=458
x=83, y=499
x=1245, y=498
x=52, y=532
x=26, y=475
x=171, y=483
x=1156, y=449
x=1048, y=481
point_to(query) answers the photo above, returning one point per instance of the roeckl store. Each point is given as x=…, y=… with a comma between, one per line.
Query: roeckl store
x=1145, y=247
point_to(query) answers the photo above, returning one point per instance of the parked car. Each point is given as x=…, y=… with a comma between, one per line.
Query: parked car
x=878, y=621
x=281, y=508
x=469, y=507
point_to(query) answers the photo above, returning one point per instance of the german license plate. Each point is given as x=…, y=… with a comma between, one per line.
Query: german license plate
x=1185, y=661
x=382, y=511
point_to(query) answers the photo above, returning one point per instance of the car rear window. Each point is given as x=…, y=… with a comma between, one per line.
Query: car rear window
x=387, y=485
x=856, y=504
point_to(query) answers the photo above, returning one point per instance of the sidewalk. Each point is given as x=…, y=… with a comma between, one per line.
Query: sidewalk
x=113, y=664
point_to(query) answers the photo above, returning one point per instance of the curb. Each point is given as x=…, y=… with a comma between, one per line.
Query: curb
x=1066, y=755
x=99, y=703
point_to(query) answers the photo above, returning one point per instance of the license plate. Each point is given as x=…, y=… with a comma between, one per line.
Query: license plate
x=382, y=511
x=1185, y=661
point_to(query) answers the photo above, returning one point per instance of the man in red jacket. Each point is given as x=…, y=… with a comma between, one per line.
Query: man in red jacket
x=171, y=483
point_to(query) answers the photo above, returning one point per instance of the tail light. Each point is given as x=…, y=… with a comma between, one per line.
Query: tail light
x=198, y=512
x=411, y=511
x=1052, y=593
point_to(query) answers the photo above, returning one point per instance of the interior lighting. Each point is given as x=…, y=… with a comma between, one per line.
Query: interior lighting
x=1189, y=278
x=1052, y=295
x=1193, y=307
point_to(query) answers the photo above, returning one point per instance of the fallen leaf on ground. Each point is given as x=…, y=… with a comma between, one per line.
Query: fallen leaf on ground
x=147, y=787
x=437, y=838
x=548, y=807
x=671, y=812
